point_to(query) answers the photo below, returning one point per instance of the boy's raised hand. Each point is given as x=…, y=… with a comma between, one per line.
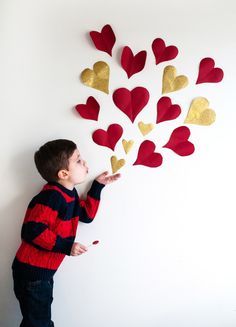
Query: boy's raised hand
x=78, y=249
x=104, y=179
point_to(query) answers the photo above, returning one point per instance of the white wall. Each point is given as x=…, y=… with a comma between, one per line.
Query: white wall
x=167, y=251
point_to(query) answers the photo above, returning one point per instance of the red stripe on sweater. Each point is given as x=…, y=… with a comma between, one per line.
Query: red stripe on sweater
x=90, y=205
x=66, y=228
x=41, y=213
x=30, y=255
x=47, y=239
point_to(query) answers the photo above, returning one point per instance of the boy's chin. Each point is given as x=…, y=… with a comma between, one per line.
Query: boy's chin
x=82, y=180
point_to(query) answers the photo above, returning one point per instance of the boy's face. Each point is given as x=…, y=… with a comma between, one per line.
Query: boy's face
x=77, y=169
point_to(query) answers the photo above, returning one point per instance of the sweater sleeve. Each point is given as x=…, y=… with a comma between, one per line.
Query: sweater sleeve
x=90, y=206
x=39, y=222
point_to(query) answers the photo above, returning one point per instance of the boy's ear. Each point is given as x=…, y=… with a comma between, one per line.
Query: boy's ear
x=63, y=174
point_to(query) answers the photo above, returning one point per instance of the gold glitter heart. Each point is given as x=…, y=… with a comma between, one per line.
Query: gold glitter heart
x=116, y=164
x=127, y=145
x=145, y=128
x=199, y=113
x=98, y=78
x=171, y=82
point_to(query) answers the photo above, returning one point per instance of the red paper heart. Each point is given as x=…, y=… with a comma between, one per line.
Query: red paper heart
x=90, y=110
x=208, y=73
x=132, y=64
x=131, y=102
x=166, y=110
x=105, y=40
x=108, y=138
x=179, y=143
x=163, y=53
x=147, y=156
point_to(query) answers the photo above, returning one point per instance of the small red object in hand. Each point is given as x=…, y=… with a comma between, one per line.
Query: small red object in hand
x=94, y=243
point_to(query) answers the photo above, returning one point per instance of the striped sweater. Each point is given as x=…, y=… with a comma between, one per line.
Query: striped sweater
x=49, y=229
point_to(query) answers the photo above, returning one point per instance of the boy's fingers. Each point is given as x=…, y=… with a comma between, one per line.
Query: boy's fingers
x=116, y=176
x=113, y=177
x=82, y=251
x=78, y=253
x=79, y=249
x=83, y=247
x=104, y=173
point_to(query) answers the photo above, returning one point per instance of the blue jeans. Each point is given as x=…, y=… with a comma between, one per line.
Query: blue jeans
x=35, y=298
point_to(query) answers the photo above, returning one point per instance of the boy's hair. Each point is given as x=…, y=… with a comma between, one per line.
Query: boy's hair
x=52, y=157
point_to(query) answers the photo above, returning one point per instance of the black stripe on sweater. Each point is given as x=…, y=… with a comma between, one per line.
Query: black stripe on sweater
x=50, y=198
x=95, y=190
x=31, y=230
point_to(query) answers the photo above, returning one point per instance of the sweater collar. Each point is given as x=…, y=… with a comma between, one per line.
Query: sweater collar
x=63, y=188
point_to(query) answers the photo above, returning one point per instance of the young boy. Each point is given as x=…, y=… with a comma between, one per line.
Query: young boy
x=49, y=227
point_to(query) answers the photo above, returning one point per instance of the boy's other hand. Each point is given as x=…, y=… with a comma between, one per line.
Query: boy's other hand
x=104, y=179
x=78, y=249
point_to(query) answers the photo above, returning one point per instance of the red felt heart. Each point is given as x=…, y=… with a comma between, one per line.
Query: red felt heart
x=179, y=143
x=108, y=138
x=132, y=64
x=90, y=110
x=208, y=73
x=131, y=102
x=147, y=156
x=105, y=40
x=166, y=110
x=163, y=53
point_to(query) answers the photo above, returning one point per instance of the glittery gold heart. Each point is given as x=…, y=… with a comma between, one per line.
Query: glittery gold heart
x=171, y=82
x=98, y=78
x=145, y=128
x=199, y=113
x=127, y=145
x=116, y=164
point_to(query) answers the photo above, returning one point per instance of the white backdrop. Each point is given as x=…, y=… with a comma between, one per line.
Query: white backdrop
x=167, y=235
